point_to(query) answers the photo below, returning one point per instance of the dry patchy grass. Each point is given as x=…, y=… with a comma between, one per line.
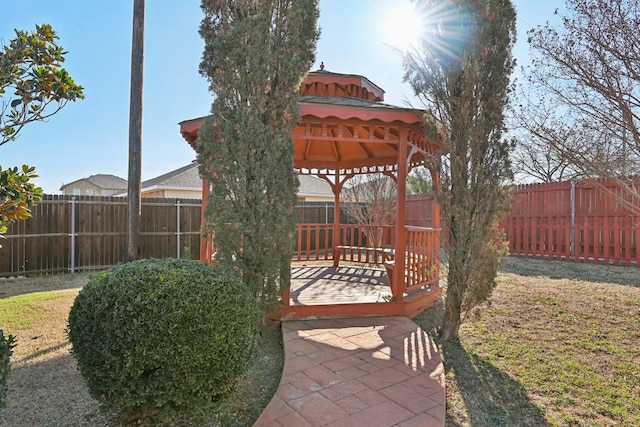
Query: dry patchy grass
x=45, y=387
x=557, y=345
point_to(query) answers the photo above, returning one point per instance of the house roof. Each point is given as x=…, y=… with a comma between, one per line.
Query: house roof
x=184, y=177
x=189, y=177
x=313, y=186
x=102, y=181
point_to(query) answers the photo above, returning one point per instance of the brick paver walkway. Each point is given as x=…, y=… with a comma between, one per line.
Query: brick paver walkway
x=369, y=372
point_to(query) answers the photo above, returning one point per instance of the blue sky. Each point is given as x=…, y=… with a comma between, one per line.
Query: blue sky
x=91, y=136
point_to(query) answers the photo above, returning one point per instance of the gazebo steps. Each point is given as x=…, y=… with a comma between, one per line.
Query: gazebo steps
x=408, y=308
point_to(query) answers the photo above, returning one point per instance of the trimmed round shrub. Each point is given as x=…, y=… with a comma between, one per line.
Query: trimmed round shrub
x=156, y=337
x=6, y=349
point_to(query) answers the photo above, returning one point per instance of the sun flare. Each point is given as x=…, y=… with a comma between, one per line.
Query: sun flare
x=438, y=28
x=403, y=25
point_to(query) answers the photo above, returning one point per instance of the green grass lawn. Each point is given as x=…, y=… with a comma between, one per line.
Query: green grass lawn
x=22, y=311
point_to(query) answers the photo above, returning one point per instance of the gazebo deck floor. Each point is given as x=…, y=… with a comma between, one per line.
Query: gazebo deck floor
x=318, y=285
x=321, y=291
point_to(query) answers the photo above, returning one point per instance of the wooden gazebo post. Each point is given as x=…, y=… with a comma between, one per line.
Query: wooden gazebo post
x=337, y=189
x=435, y=178
x=397, y=288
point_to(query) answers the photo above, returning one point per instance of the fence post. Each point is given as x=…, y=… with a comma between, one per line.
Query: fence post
x=178, y=228
x=73, y=235
x=573, y=218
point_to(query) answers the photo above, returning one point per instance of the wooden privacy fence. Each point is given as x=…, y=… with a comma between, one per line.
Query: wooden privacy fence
x=567, y=221
x=80, y=233
x=419, y=210
x=586, y=222
x=69, y=234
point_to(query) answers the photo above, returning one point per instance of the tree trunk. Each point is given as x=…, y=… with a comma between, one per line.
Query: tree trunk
x=451, y=322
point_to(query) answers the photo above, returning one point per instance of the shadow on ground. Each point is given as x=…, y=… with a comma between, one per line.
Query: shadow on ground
x=533, y=267
x=10, y=287
x=50, y=392
x=489, y=397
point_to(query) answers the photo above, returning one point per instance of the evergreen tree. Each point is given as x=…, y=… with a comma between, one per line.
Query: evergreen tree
x=462, y=74
x=255, y=57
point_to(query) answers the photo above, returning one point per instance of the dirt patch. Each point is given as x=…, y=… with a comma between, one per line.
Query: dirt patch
x=45, y=386
x=47, y=390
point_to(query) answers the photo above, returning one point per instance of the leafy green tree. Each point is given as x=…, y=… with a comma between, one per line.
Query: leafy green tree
x=31, y=80
x=17, y=194
x=31, y=68
x=461, y=73
x=419, y=181
x=255, y=57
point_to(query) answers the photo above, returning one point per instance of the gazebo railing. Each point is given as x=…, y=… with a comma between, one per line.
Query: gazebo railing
x=422, y=257
x=371, y=244
x=422, y=251
x=315, y=242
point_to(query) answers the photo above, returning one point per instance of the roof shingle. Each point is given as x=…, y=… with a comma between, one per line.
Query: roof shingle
x=184, y=177
x=102, y=181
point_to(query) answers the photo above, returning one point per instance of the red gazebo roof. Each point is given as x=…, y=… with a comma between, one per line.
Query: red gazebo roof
x=345, y=125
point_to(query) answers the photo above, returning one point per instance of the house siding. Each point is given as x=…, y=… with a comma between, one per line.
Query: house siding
x=83, y=186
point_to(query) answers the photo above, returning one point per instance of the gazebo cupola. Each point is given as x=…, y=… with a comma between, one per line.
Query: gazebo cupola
x=346, y=126
x=324, y=83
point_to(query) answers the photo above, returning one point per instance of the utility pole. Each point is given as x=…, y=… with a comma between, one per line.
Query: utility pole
x=135, y=133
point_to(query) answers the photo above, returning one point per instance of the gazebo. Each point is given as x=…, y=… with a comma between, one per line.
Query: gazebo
x=346, y=130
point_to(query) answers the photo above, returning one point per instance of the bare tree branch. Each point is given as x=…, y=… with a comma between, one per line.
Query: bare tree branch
x=585, y=108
